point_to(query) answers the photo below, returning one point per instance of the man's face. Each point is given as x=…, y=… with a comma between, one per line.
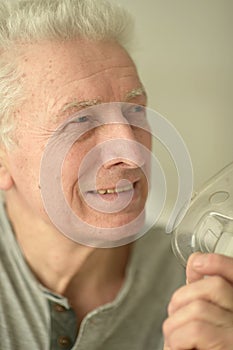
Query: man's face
x=62, y=79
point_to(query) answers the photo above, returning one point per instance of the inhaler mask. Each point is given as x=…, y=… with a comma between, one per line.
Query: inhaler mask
x=208, y=224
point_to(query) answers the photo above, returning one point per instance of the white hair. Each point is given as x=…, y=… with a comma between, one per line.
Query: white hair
x=29, y=21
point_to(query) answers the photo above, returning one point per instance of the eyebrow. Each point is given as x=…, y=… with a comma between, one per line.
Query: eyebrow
x=79, y=104
x=135, y=92
x=88, y=103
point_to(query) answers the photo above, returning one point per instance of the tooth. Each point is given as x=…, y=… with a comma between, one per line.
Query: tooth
x=116, y=190
x=102, y=191
x=119, y=190
x=124, y=189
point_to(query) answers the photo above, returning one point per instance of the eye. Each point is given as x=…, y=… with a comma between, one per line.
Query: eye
x=134, y=110
x=80, y=123
x=137, y=109
x=136, y=115
x=81, y=119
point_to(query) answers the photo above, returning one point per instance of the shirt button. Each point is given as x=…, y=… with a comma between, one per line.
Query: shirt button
x=64, y=341
x=59, y=308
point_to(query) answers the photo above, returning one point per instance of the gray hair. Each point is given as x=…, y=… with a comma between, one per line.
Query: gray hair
x=29, y=21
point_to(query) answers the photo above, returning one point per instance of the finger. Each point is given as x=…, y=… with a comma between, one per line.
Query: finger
x=199, y=310
x=201, y=336
x=200, y=265
x=193, y=274
x=213, y=289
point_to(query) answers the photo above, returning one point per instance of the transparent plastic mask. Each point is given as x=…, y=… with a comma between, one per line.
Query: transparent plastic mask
x=208, y=224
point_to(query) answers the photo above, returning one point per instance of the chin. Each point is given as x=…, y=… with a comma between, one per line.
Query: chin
x=115, y=220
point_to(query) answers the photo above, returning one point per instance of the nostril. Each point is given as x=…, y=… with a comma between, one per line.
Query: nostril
x=122, y=163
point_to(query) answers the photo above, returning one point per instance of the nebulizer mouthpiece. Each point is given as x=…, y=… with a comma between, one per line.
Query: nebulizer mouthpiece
x=208, y=223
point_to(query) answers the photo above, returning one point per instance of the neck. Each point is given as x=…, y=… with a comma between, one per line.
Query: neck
x=61, y=264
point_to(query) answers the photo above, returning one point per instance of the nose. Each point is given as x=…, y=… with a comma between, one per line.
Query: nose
x=119, y=146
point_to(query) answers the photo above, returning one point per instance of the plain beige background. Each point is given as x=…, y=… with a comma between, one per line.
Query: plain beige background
x=184, y=53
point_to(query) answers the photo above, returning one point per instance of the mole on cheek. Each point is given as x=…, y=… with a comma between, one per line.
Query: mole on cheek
x=50, y=64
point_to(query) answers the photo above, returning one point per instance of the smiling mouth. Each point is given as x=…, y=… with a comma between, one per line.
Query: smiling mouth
x=115, y=199
x=119, y=189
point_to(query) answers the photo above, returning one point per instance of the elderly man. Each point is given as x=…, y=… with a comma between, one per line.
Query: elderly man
x=61, y=59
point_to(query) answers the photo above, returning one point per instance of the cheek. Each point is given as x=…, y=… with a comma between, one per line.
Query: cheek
x=143, y=137
x=25, y=169
x=72, y=163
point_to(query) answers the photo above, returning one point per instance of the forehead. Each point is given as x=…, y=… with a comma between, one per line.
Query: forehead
x=84, y=66
x=56, y=74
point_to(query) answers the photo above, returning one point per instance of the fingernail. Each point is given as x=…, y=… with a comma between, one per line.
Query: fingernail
x=200, y=260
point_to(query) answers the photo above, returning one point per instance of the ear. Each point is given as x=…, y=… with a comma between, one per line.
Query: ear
x=6, y=181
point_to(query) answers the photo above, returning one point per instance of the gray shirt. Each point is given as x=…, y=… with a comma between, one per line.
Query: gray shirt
x=32, y=317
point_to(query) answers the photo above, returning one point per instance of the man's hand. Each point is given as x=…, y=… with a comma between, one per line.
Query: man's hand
x=201, y=313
